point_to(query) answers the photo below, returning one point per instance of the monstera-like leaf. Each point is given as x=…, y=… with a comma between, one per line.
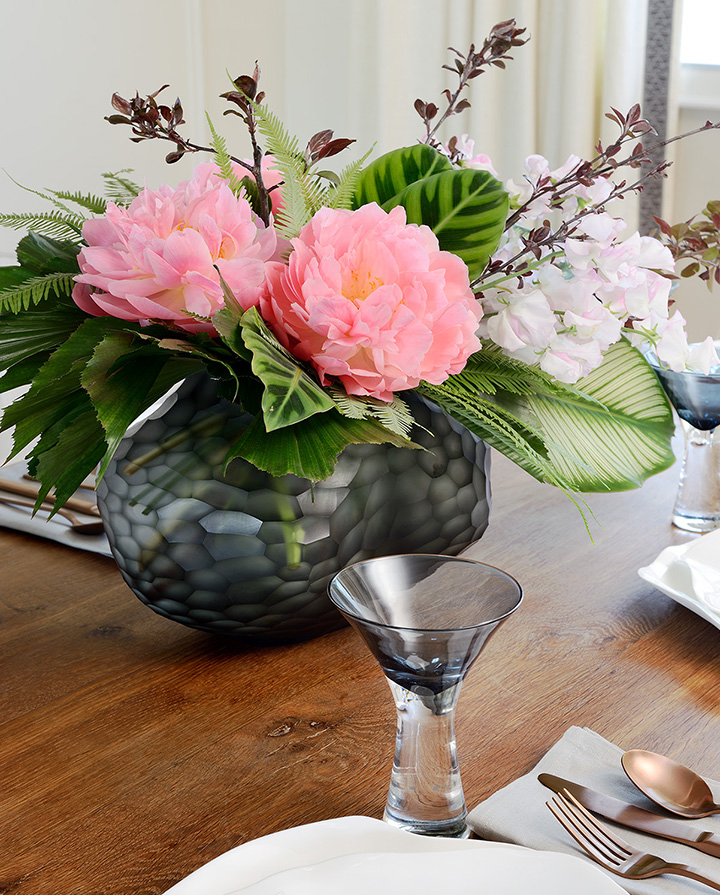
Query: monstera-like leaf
x=464, y=207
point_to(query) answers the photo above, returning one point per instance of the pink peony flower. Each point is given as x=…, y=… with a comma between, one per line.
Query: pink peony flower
x=372, y=300
x=155, y=259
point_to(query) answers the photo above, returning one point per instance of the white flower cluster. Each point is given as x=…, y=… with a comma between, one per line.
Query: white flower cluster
x=580, y=296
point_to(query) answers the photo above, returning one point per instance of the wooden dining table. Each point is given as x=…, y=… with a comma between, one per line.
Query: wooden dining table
x=133, y=749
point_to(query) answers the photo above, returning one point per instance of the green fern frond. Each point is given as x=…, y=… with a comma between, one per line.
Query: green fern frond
x=295, y=213
x=303, y=192
x=504, y=431
x=341, y=196
x=48, y=197
x=49, y=223
x=35, y=290
x=350, y=406
x=490, y=370
x=222, y=157
x=195, y=316
x=118, y=189
x=93, y=204
x=395, y=415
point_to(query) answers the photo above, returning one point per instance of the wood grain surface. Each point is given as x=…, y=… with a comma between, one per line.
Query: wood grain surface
x=133, y=750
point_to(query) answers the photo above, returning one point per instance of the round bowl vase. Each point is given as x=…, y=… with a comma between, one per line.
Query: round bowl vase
x=250, y=555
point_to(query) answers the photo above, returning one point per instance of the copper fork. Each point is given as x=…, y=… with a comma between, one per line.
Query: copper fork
x=611, y=852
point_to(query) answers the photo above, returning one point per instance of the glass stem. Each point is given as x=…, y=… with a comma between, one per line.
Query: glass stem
x=697, y=506
x=426, y=794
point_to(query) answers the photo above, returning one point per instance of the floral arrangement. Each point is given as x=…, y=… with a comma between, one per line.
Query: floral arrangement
x=318, y=298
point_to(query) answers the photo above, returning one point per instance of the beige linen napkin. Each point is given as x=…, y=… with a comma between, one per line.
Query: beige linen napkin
x=518, y=812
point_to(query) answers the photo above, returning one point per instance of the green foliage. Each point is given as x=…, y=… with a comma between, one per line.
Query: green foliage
x=303, y=192
x=290, y=395
x=309, y=448
x=342, y=194
x=84, y=393
x=67, y=453
x=93, y=204
x=394, y=415
x=89, y=377
x=617, y=436
x=42, y=255
x=465, y=208
x=222, y=157
x=51, y=223
x=25, y=336
x=489, y=371
x=607, y=433
x=123, y=378
x=119, y=189
x=390, y=174
x=33, y=290
x=497, y=426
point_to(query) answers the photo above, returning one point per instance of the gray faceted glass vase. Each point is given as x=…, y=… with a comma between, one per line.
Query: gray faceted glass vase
x=251, y=555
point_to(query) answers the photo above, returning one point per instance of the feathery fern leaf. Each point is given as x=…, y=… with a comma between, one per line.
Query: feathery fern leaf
x=501, y=429
x=303, y=192
x=34, y=290
x=118, y=189
x=49, y=197
x=350, y=406
x=341, y=195
x=50, y=223
x=93, y=204
x=490, y=370
x=394, y=415
x=222, y=157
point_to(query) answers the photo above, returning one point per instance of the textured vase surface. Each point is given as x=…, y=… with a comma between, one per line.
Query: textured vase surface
x=250, y=555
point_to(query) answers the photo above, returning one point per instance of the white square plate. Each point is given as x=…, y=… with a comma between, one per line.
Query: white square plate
x=690, y=574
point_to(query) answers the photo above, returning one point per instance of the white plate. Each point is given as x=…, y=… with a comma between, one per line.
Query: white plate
x=690, y=574
x=363, y=856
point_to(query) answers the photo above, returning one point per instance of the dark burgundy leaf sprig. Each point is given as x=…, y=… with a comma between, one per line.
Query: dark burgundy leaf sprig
x=494, y=52
x=696, y=241
x=151, y=120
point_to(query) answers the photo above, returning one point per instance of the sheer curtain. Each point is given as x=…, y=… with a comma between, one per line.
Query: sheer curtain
x=583, y=56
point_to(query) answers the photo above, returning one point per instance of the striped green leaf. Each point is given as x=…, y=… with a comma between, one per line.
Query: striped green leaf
x=290, y=395
x=390, y=174
x=465, y=208
x=611, y=431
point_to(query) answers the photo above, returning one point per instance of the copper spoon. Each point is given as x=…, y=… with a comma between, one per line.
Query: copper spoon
x=81, y=528
x=669, y=784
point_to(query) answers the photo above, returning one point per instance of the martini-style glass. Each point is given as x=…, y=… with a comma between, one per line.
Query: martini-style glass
x=425, y=619
x=696, y=398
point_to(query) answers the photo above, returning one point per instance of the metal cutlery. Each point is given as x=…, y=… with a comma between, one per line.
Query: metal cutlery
x=612, y=852
x=636, y=818
x=670, y=784
x=73, y=503
x=81, y=528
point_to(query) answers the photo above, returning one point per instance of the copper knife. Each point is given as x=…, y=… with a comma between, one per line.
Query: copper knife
x=636, y=818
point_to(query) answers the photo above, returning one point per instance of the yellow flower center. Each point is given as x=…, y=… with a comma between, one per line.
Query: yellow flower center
x=360, y=284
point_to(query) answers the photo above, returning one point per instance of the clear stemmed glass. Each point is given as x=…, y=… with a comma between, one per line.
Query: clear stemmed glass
x=425, y=619
x=696, y=398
